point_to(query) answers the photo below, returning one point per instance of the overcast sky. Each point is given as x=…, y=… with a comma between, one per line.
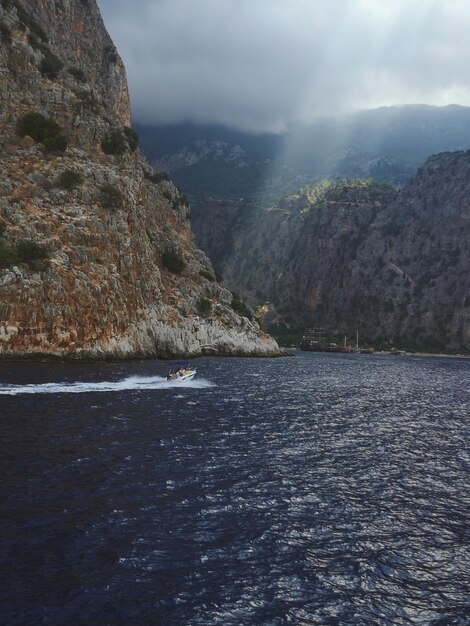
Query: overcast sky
x=263, y=65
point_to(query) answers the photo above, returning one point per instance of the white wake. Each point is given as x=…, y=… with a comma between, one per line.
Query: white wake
x=132, y=383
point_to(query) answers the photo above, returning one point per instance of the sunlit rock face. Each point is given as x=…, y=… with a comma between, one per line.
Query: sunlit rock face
x=360, y=256
x=103, y=291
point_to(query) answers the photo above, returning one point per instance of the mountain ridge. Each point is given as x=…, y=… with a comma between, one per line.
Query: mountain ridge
x=388, y=143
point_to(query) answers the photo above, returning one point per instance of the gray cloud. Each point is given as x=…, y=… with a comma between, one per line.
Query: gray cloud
x=266, y=64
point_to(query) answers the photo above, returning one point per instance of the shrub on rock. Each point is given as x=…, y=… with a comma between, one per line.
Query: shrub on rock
x=111, y=197
x=78, y=74
x=28, y=250
x=8, y=255
x=37, y=126
x=43, y=129
x=69, y=179
x=132, y=138
x=173, y=262
x=50, y=64
x=157, y=177
x=204, y=306
x=57, y=143
x=240, y=307
x=114, y=143
x=207, y=275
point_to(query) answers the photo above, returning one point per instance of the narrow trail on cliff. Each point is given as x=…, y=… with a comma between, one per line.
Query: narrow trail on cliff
x=131, y=383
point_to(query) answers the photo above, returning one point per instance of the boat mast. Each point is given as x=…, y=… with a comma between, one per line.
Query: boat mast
x=357, y=340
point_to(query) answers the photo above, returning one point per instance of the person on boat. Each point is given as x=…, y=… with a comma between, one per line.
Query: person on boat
x=181, y=371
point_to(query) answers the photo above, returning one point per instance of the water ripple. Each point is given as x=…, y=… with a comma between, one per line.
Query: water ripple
x=323, y=489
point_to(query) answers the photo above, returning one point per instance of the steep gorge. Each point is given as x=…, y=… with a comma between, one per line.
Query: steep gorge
x=356, y=255
x=103, y=290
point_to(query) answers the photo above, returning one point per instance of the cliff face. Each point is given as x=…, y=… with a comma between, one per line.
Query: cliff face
x=357, y=255
x=76, y=30
x=420, y=248
x=300, y=255
x=104, y=289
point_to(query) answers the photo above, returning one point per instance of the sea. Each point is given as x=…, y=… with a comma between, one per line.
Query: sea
x=328, y=489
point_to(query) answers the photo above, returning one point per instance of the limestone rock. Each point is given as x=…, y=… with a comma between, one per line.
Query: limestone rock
x=104, y=291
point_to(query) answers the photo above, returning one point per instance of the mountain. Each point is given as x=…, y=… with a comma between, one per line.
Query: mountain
x=386, y=144
x=282, y=221
x=207, y=160
x=357, y=255
x=97, y=258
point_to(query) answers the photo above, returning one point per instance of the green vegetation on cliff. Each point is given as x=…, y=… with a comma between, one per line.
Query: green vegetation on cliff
x=332, y=190
x=173, y=261
x=43, y=129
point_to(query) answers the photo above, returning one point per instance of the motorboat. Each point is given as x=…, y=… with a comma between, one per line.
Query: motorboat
x=181, y=371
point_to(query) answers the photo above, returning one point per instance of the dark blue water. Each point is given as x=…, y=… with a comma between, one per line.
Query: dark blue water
x=320, y=489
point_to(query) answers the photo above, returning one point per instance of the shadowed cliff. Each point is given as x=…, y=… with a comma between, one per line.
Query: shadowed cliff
x=356, y=255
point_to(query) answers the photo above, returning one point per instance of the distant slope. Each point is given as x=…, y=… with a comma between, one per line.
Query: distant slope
x=388, y=144
x=353, y=255
x=208, y=160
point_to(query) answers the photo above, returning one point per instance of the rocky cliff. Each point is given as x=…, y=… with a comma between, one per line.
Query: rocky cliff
x=97, y=258
x=356, y=255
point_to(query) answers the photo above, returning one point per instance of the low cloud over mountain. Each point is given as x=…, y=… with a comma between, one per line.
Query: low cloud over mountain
x=263, y=65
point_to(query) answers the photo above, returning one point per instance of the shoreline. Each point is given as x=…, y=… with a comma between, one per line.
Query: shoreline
x=51, y=358
x=430, y=354
x=398, y=353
